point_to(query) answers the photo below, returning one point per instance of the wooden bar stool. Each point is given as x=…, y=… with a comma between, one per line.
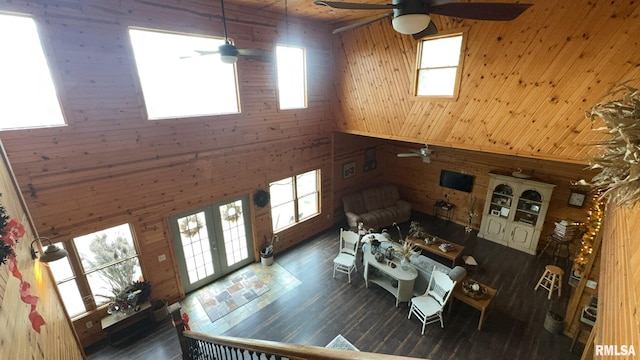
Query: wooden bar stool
x=551, y=280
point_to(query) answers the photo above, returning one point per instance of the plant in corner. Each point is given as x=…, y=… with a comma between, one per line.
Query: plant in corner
x=266, y=253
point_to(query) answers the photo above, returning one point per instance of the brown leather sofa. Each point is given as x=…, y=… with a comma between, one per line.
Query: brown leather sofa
x=376, y=207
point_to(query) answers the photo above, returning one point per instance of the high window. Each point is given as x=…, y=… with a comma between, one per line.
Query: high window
x=294, y=199
x=292, y=83
x=179, y=82
x=28, y=96
x=99, y=266
x=439, y=66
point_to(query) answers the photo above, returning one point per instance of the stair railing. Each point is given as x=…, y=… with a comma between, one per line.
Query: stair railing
x=199, y=346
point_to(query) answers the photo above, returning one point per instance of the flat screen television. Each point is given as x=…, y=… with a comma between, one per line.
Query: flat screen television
x=457, y=181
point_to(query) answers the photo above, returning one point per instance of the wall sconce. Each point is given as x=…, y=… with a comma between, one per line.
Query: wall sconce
x=51, y=253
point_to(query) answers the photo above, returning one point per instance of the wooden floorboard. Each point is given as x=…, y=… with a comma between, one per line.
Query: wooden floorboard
x=321, y=307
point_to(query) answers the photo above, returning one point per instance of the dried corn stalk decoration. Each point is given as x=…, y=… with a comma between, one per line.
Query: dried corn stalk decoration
x=619, y=162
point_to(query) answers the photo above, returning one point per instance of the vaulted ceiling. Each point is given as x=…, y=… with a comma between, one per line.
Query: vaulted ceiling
x=308, y=10
x=525, y=86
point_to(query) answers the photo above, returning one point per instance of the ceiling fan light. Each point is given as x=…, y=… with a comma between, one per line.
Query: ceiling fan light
x=410, y=23
x=229, y=59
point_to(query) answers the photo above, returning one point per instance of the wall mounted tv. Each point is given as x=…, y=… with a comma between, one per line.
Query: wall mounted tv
x=457, y=181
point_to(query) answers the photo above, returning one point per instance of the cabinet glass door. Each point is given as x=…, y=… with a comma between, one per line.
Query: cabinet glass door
x=529, y=205
x=501, y=201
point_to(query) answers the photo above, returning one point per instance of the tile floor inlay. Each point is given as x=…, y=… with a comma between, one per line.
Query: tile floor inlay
x=276, y=279
x=239, y=288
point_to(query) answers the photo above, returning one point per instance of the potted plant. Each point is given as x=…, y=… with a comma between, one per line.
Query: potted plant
x=266, y=253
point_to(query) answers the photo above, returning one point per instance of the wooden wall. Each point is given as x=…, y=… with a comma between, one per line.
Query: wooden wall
x=18, y=340
x=418, y=181
x=111, y=166
x=619, y=286
x=525, y=86
x=581, y=294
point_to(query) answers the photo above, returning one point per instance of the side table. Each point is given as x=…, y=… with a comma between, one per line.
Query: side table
x=121, y=327
x=444, y=207
x=478, y=304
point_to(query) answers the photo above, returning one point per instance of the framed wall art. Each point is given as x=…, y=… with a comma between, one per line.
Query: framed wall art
x=369, y=159
x=348, y=170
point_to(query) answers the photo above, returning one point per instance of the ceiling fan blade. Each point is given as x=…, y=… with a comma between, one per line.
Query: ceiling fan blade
x=207, y=52
x=481, y=11
x=256, y=54
x=430, y=30
x=409, y=155
x=355, y=6
x=361, y=23
x=200, y=53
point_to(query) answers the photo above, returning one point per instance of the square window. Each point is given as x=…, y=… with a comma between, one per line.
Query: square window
x=294, y=199
x=179, y=82
x=439, y=66
x=105, y=262
x=110, y=261
x=26, y=79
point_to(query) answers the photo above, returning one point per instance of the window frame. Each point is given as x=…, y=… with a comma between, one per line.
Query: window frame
x=142, y=97
x=295, y=200
x=463, y=32
x=80, y=274
x=305, y=85
x=45, y=45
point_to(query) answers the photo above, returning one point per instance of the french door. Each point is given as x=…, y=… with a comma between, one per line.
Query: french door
x=212, y=241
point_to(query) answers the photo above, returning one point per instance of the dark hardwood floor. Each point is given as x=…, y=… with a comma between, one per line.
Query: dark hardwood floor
x=322, y=307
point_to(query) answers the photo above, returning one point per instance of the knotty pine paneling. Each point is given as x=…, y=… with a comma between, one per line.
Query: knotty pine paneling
x=351, y=148
x=418, y=181
x=525, y=85
x=581, y=295
x=111, y=166
x=56, y=339
x=618, y=288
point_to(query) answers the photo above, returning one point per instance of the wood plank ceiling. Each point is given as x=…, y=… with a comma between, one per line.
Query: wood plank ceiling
x=308, y=10
x=525, y=87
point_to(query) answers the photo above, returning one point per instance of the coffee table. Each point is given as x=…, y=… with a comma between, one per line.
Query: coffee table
x=452, y=255
x=479, y=304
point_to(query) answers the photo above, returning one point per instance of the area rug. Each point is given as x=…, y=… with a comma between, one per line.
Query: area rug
x=233, y=292
x=340, y=343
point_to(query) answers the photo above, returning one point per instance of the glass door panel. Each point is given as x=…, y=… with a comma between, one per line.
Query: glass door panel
x=528, y=209
x=501, y=201
x=234, y=232
x=212, y=242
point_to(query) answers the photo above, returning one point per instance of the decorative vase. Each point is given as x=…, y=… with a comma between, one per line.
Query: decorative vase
x=389, y=253
x=379, y=256
x=404, y=263
x=267, y=260
x=375, y=246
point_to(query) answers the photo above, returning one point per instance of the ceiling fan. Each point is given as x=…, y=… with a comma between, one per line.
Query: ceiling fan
x=229, y=53
x=424, y=152
x=411, y=17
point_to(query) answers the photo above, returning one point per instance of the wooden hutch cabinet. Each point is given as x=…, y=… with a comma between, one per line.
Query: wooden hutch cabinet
x=514, y=211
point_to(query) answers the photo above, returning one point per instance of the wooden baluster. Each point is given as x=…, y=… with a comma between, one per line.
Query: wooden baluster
x=174, y=310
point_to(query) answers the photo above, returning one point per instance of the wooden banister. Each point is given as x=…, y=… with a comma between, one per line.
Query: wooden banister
x=271, y=349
